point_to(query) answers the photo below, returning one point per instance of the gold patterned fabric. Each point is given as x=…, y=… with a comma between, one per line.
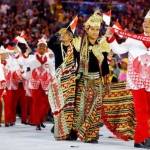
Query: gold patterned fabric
x=118, y=111
x=115, y=110
x=88, y=107
x=88, y=100
x=62, y=95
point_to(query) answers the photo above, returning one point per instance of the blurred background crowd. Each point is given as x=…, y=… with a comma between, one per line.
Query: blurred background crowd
x=45, y=17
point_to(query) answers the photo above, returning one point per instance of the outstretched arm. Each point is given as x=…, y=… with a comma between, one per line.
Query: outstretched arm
x=114, y=45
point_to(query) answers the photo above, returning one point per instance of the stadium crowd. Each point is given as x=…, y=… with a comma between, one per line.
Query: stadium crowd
x=44, y=17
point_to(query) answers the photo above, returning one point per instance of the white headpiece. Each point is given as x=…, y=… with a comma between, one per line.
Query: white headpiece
x=42, y=40
x=21, y=39
x=4, y=51
x=147, y=15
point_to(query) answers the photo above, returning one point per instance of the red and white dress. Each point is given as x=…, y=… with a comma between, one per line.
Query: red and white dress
x=138, y=80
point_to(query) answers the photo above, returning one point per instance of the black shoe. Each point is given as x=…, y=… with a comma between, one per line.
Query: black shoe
x=101, y=124
x=73, y=135
x=52, y=129
x=92, y=141
x=12, y=124
x=7, y=124
x=147, y=142
x=141, y=145
x=38, y=127
x=42, y=125
x=50, y=118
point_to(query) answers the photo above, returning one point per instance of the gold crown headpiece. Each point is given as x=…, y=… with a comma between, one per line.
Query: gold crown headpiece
x=94, y=20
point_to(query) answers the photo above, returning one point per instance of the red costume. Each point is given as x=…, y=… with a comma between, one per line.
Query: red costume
x=42, y=72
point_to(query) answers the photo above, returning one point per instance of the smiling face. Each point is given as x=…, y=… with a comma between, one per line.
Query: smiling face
x=146, y=26
x=42, y=48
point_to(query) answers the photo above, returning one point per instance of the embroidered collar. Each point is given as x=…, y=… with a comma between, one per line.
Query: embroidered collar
x=41, y=59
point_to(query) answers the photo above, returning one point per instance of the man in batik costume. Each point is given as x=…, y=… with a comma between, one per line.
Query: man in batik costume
x=88, y=100
x=62, y=91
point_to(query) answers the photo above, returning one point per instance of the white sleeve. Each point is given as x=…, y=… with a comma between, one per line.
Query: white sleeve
x=120, y=48
x=13, y=64
x=51, y=58
x=2, y=77
x=52, y=66
x=33, y=63
x=26, y=75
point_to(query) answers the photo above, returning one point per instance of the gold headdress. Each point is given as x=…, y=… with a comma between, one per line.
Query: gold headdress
x=62, y=31
x=94, y=20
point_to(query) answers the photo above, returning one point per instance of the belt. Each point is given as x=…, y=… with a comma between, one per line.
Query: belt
x=92, y=75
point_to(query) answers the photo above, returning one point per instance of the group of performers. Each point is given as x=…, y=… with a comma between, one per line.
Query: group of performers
x=69, y=77
x=25, y=82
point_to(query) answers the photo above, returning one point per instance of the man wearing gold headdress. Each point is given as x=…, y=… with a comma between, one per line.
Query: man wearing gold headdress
x=88, y=100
